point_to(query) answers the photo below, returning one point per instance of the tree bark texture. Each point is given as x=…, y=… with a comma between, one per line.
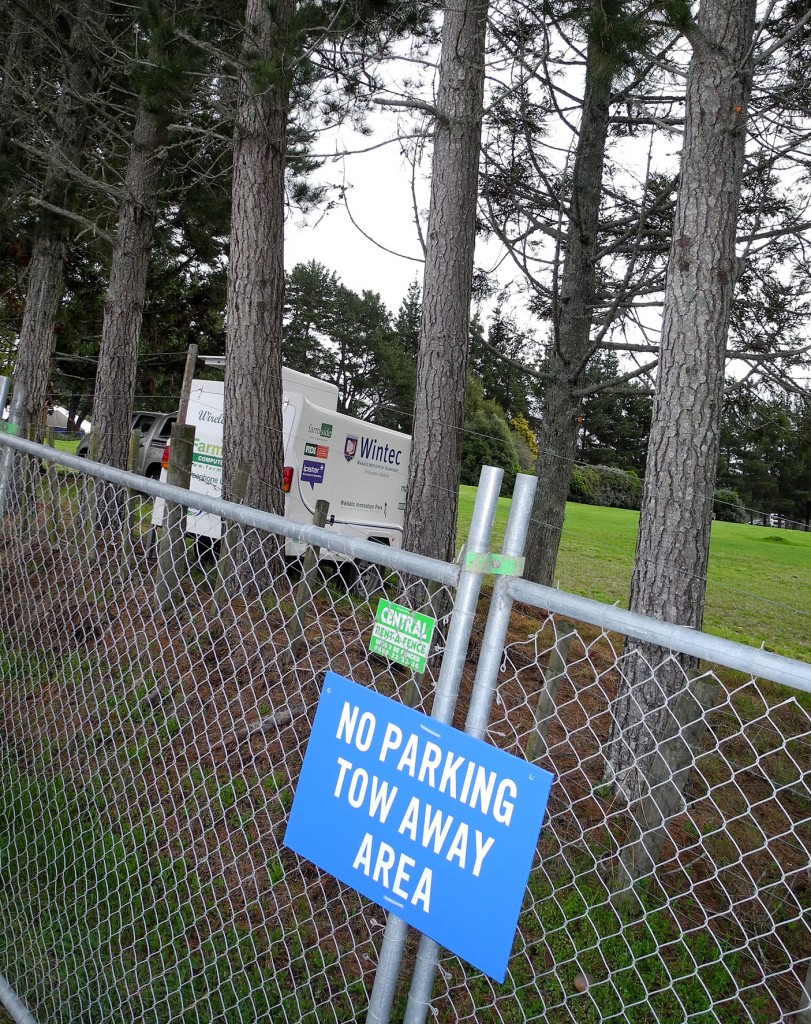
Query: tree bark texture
x=433, y=472
x=126, y=292
x=253, y=354
x=45, y=270
x=571, y=342
x=42, y=297
x=670, y=568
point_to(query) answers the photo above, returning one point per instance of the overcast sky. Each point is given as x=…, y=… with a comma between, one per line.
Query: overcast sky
x=379, y=198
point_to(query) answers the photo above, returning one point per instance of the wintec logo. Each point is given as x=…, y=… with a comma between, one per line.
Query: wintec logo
x=369, y=449
x=325, y=430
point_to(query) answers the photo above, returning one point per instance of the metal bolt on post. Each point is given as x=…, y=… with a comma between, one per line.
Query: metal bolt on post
x=447, y=691
x=481, y=701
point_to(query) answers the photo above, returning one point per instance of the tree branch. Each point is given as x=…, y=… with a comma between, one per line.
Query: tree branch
x=413, y=104
x=60, y=211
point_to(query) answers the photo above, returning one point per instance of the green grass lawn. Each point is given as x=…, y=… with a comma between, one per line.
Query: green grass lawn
x=759, y=581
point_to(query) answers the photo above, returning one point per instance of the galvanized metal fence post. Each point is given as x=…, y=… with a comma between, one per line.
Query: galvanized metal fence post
x=481, y=699
x=13, y=1005
x=447, y=691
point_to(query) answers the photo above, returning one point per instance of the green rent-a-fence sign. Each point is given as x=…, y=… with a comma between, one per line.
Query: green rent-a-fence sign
x=402, y=635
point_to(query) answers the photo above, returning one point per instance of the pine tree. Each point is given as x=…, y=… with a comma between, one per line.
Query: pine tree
x=670, y=566
x=70, y=133
x=433, y=474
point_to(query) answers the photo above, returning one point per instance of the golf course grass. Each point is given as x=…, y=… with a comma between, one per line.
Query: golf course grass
x=758, y=586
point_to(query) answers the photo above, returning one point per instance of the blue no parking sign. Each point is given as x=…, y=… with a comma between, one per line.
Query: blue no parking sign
x=436, y=826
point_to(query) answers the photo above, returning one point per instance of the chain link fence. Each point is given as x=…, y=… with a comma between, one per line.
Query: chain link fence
x=155, y=707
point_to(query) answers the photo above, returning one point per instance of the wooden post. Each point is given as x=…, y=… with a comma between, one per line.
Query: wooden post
x=304, y=591
x=670, y=771
x=185, y=390
x=172, y=544
x=547, y=698
x=128, y=536
x=225, y=563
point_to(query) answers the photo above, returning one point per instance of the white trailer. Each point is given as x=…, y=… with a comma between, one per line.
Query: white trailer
x=359, y=468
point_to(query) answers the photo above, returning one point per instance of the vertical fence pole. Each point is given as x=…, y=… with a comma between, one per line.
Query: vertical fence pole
x=304, y=591
x=15, y=418
x=172, y=546
x=185, y=389
x=447, y=690
x=13, y=1005
x=3, y=394
x=481, y=701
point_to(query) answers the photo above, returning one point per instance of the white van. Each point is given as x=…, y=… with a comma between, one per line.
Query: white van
x=359, y=468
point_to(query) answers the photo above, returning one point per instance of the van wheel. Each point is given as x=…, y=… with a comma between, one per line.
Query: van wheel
x=368, y=582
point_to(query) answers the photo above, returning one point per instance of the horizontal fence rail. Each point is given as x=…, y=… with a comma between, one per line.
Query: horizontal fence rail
x=156, y=704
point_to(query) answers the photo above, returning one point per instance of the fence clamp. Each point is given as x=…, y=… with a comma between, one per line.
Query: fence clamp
x=494, y=565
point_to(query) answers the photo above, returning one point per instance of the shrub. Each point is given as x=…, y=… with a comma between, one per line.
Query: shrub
x=605, y=485
x=584, y=485
x=728, y=506
x=487, y=442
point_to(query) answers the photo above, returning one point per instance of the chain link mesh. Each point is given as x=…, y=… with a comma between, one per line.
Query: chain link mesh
x=153, y=728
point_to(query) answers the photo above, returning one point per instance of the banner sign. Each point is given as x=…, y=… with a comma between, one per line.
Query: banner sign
x=432, y=824
x=402, y=635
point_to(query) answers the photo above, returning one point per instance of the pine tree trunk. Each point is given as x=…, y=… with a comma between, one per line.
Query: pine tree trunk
x=42, y=297
x=571, y=343
x=45, y=271
x=126, y=291
x=253, y=363
x=670, y=568
x=433, y=473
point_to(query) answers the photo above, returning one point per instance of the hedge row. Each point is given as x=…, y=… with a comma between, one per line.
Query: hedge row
x=604, y=485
